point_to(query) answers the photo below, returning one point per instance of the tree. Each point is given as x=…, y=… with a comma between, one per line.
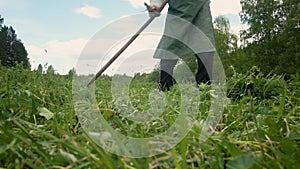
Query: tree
x=71, y=73
x=272, y=40
x=12, y=50
x=40, y=68
x=50, y=70
x=1, y=21
x=226, y=42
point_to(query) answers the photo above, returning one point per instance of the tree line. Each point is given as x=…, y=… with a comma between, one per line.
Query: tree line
x=272, y=41
x=12, y=50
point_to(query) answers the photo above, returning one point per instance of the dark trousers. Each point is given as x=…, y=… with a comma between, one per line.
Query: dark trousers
x=203, y=75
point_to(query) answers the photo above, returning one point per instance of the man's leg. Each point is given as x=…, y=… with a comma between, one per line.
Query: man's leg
x=166, y=73
x=205, y=67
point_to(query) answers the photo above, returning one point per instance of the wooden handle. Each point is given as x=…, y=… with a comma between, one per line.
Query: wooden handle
x=126, y=45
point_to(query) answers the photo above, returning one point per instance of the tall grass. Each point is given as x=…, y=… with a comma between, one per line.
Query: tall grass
x=38, y=127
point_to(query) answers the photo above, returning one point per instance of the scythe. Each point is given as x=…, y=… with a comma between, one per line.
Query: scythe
x=152, y=17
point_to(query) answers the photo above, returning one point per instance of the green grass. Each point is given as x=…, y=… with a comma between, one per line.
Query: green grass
x=259, y=128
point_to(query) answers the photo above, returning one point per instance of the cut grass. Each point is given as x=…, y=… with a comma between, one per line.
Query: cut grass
x=259, y=126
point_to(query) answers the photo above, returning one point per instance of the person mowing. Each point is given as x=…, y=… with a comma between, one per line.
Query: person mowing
x=180, y=39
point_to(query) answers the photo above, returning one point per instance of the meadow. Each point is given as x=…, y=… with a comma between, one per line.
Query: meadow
x=259, y=128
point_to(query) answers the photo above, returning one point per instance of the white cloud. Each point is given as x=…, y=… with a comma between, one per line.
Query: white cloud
x=222, y=7
x=98, y=51
x=230, y=8
x=218, y=7
x=137, y=3
x=89, y=11
x=61, y=54
x=138, y=56
x=237, y=28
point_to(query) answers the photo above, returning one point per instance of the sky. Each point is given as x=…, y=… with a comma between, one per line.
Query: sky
x=56, y=31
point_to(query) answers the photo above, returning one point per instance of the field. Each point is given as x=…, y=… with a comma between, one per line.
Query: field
x=259, y=128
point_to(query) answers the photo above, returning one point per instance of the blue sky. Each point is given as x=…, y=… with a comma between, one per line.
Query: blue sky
x=63, y=27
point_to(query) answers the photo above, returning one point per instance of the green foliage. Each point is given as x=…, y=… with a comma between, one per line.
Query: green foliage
x=71, y=73
x=147, y=77
x=269, y=19
x=38, y=127
x=272, y=41
x=12, y=50
x=259, y=127
x=50, y=70
x=259, y=85
x=226, y=42
x=241, y=162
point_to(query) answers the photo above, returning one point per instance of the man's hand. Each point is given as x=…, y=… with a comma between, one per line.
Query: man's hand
x=154, y=7
x=153, y=10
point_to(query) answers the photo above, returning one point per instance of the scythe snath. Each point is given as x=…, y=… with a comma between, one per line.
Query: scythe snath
x=152, y=17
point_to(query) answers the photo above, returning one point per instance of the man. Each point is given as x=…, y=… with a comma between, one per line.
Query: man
x=178, y=39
